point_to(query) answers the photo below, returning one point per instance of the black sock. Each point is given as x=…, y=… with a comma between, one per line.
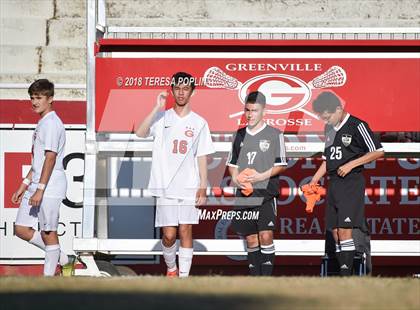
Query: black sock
x=347, y=256
x=254, y=261
x=267, y=259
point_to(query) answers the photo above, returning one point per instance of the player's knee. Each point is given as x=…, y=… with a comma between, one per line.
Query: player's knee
x=49, y=236
x=185, y=231
x=344, y=233
x=266, y=237
x=334, y=234
x=46, y=233
x=169, y=238
x=23, y=232
x=252, y=240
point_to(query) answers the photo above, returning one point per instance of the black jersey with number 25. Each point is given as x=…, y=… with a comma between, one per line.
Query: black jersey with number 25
x=348, y=141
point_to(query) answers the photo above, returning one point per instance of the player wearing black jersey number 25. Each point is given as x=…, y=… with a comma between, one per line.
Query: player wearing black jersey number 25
x=349, y=144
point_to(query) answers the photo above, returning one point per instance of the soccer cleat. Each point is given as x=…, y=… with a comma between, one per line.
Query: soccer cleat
x=67, y=270
x=172, y=274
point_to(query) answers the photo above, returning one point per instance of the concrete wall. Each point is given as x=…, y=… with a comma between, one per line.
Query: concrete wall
x=266, y=13
x=46, y=38
x=42, y=38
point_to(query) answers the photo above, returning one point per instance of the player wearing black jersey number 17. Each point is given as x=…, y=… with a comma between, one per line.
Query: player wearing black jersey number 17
x=261, y=149
x=349, y=144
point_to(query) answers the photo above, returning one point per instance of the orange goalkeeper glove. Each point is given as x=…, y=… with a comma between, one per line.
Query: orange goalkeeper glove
x=312, y=193
x=248, y=190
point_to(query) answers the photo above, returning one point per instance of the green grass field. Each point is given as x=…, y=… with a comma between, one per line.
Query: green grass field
x=147, y=292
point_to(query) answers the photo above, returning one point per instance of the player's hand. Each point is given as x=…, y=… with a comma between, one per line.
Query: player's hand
x=200, y=197
x=344, y=170
x=36, y=198
x=161, y=99
x=256, y=177
x=237, y=183
x=17, y=196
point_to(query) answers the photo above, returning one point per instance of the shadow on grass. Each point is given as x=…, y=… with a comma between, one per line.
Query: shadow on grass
x=140, y=300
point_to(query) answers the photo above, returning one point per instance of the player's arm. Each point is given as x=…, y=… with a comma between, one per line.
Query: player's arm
x=143, y=130
x=200, y=197
x=261, y=176
x=17, y=196
x=322, y=170
x=47, y=168
x=367, y=158
x=319, y=173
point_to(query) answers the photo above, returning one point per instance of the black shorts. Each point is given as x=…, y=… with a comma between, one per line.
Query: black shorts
x=345, y=201
x=267, y=217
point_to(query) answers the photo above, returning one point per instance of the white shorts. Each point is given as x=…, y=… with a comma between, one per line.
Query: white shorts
x=172, y=212
x=47, y=214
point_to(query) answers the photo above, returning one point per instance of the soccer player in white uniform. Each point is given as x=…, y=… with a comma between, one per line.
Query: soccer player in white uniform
x=41, y=192
x=178, y=178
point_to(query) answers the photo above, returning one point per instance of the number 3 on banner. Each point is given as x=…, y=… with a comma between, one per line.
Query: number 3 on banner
x=180, y=146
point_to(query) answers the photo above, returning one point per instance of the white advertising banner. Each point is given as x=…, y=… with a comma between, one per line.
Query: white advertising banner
x=15, y=159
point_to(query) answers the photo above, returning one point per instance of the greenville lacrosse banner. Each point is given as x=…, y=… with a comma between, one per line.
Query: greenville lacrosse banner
x=381, y=88
x=392, y=188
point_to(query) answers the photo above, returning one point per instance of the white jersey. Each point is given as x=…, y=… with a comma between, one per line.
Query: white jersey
x=49, y=135
x=178, y=141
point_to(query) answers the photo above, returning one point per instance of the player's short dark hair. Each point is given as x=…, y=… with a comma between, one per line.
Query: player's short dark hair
x=41, y=87
x=326, y=101
x=256, y=97
x=183, y=78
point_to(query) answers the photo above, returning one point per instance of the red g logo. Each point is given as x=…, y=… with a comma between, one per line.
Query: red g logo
x=284, y=93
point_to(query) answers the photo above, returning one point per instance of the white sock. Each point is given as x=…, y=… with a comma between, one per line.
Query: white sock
x=39, y=243
x=64, y=259
x=337, y=248
x=169, y=254
x=347, y=245
x=185, y=258
x=52, y=255
x=37, y=240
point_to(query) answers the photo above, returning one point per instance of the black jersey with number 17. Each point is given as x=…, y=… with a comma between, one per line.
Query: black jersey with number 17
x=261, y=151
x=351, y=139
